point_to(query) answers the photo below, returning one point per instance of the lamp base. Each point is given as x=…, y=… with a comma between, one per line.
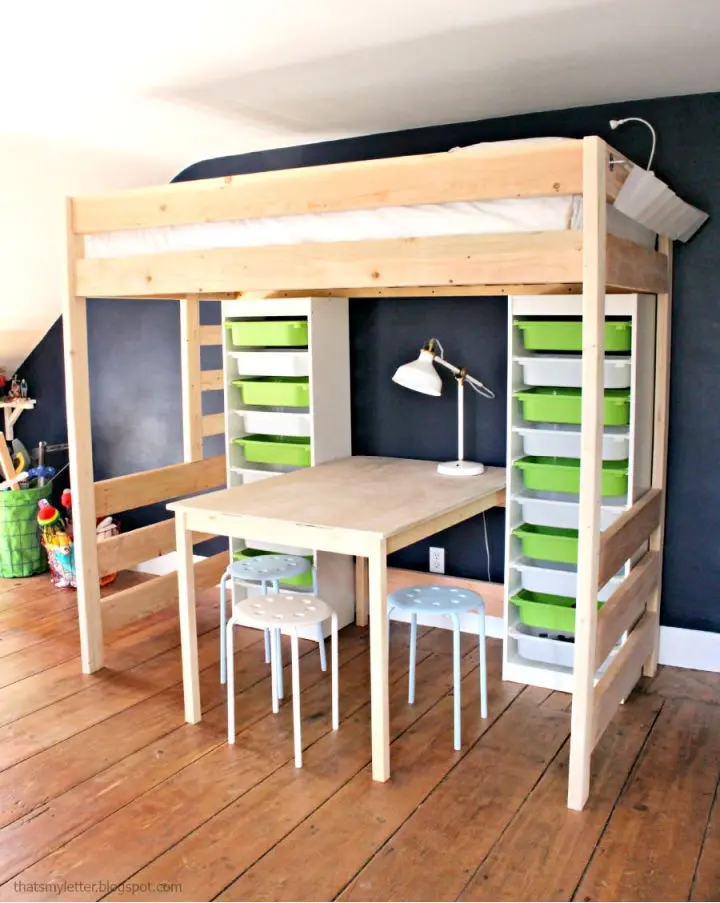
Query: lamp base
x=460, y=468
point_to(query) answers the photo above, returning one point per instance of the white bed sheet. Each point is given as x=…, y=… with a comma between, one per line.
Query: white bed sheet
x=548, y=214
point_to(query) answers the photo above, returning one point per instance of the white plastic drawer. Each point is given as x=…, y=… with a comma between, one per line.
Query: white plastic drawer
x=564, y=442
x=275, y=423
x=541, y=508
x=557, y=579
x=272, y=363
x=565, y=370
x=254, y=476
x=548, y=647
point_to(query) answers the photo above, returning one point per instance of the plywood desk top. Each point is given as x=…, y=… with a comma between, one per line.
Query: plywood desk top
x=383, y=496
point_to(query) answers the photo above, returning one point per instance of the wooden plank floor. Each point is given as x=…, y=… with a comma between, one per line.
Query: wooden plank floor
x=105, y=793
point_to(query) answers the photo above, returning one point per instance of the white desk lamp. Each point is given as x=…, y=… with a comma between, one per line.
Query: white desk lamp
x=421, y=376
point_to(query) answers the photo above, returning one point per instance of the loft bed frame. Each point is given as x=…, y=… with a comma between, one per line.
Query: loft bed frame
x=589, y=261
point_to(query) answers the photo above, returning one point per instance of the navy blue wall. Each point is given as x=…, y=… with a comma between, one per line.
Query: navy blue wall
x=135, y=366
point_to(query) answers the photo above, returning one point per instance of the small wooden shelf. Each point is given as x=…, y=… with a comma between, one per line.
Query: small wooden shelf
x=13, y=408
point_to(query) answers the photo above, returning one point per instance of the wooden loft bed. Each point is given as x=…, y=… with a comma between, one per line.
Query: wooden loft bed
x=589, y=260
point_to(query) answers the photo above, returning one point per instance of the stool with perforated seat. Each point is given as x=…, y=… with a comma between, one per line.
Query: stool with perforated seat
x=272, y=612
x=450, y=601
x=263, y=572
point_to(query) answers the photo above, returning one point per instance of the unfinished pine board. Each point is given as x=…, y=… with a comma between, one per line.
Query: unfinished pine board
x=631, y=267
x=526, y=170
x=593, y=342
x=333, y=498
x=625, y=535
x=136, y=546
x=661, y=416
x=136, y=489
x=624, y=671
x=211, y=335
x=211, y=380
x=213, y=424
x=77, y=403
x=435, y=260
x=190, y=378
x=159, y=592
x=650, y=846
x=556, y=844
x=624, y=608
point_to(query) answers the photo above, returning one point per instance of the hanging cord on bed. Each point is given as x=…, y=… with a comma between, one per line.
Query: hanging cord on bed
x=614, y=123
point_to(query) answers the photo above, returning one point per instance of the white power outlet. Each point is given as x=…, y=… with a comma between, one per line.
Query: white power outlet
x=437, y=560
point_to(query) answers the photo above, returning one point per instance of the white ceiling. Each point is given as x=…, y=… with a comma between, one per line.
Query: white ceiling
x=185, y=80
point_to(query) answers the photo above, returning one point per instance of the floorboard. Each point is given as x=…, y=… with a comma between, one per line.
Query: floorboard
x=105, y=792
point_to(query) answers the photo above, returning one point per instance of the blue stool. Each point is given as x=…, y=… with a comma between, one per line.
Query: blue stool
x=267, y=571
x=451, y=601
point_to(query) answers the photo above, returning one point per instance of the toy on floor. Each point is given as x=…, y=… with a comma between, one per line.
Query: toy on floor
x=58, y=545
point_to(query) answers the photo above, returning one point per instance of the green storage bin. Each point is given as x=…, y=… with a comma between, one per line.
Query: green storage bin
x=547, y=405
x=563, y=475
x=261, y=449
x=548, y=543
x=275, y=391
x=301, y=580
x=21, y=554
x=268, y=333
x=566, y=335
x=546, y=611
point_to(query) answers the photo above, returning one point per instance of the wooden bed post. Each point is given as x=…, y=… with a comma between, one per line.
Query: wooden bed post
x=660, y=433
x=191, y=379
x=77, y=395
x=593, y=347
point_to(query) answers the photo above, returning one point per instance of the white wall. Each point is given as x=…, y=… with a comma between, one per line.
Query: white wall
x=36, y=176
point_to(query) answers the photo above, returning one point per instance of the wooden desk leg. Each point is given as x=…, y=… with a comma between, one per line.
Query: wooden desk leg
x=379, y=655
x=361, y=591
x=188, y=624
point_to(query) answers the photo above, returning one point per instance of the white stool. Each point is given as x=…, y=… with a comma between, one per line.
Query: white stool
x=451, y=601
x=273, y=612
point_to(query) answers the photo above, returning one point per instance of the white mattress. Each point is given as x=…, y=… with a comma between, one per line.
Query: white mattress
x=550, y=214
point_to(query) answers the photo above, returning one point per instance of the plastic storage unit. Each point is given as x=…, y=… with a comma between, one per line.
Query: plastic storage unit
x=543, y=465
x=287, y=404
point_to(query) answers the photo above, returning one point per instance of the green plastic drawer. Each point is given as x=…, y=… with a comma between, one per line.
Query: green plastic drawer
x=268, y=333
x=546, y=405
x=563, y=475
x=566, y=335
x=275, y=391
x=301, y=580
x=276, y=449
x=548, y=543
x=546, y=611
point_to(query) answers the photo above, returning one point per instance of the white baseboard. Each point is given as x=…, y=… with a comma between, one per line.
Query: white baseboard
x=697, y=650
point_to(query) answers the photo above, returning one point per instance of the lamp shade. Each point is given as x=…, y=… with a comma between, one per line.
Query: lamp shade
x=420, y=375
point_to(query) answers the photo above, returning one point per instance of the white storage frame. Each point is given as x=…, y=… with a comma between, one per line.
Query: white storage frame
x=640, y=309
x=326, y=362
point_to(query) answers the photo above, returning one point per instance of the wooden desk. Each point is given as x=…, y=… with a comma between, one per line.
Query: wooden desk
x=360, y=506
